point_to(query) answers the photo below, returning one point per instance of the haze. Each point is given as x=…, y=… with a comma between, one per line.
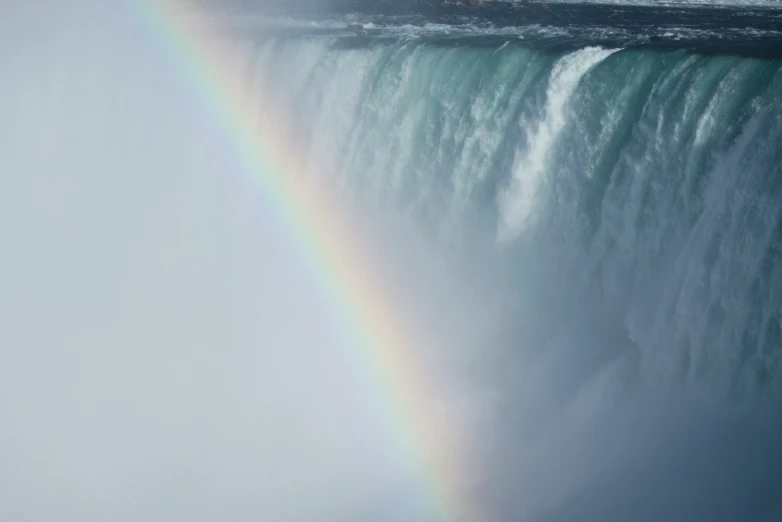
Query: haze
x=166, y=354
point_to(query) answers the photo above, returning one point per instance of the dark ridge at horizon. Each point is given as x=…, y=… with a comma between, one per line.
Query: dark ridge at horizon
x=487, y=6
x=714, y=31
x=511, y=13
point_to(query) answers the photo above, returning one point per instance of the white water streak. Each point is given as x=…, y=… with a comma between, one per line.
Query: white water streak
x=517, y=202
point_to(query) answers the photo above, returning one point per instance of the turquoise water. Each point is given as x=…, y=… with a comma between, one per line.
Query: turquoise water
x=628, y=201
x=642, y=183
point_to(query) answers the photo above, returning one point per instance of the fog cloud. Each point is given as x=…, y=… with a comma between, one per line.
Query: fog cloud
x=166, y=355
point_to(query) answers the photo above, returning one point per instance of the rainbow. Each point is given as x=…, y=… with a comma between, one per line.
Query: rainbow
x=384, y=348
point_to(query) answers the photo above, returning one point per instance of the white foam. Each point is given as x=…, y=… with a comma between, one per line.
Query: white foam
x=518, y=200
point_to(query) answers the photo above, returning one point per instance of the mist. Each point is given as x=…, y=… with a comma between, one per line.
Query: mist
x=166, y=354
